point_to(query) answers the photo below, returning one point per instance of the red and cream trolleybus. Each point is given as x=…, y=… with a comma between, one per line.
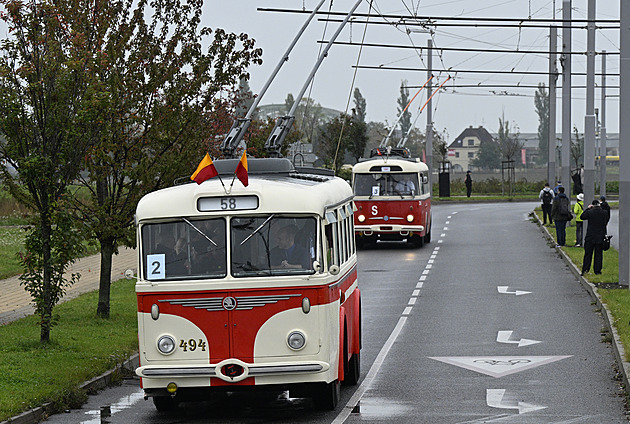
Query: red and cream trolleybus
x=392, y=198
x=250, y=287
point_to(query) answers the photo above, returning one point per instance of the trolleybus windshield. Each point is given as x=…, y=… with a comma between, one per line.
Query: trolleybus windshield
x=260, y=246
x=384, y=184
x=272, y=245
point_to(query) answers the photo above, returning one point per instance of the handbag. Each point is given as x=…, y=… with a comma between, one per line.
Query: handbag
x=606, y=243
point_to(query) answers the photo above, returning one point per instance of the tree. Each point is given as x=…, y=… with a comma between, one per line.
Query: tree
x=509, y=144
x=50, y=103
x=165, y=107
x=541, y=101
x=488, y=156
x=577, y=148
x=358, y=128
x=403, y=101
x=360, y=105
x=333, y=142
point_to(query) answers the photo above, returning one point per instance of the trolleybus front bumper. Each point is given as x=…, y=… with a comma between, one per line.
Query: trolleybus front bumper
x=225, y=370
x=403, y=230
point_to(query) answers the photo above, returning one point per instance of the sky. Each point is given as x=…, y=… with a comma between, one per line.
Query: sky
x=454, y=107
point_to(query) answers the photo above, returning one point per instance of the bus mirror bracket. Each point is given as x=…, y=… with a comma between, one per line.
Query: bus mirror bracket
x=317, y=266
x=129, y=274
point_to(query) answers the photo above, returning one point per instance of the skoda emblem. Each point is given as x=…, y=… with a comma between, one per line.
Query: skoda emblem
x=229, y=303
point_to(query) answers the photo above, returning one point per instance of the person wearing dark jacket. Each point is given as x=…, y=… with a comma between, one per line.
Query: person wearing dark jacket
x=561, y=214
x=595, y=232
x=605, y=207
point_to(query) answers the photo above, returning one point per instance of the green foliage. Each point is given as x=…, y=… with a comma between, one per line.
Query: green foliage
x=334, y=140
x=541, y=101
x=82, y=347
x=492, y=186
x=65, y=244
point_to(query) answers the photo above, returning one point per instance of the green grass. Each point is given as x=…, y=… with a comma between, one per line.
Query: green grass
x=618, y=302
x=616, y=299
x=82, y=346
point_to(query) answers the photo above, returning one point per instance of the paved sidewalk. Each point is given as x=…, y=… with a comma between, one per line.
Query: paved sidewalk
x=15, y=302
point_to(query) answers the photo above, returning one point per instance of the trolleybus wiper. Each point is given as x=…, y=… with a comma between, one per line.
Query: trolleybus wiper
x=257, y=229
x=199, y=231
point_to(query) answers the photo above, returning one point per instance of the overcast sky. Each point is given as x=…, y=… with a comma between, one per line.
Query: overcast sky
x=453, y=108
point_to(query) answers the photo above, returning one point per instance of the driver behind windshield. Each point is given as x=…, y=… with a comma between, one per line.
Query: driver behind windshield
x=286, y=254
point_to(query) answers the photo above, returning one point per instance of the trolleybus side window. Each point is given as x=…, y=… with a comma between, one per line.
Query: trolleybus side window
x=184, y=249
x=272, y=245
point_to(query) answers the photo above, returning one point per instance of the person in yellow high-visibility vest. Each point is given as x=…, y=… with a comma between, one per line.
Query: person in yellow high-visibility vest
x=578, y=208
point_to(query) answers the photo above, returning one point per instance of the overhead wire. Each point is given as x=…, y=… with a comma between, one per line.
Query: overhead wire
x=354, y=76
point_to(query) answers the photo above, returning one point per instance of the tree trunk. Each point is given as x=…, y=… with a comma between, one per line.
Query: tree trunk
x=46, y=313
x=107, y=252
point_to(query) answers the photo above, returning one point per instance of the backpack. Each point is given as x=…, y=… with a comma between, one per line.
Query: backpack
x=547, y=197
x=563, y=207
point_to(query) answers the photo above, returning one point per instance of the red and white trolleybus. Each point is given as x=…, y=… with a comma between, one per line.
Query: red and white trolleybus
x=250, y=288
x=392, y=198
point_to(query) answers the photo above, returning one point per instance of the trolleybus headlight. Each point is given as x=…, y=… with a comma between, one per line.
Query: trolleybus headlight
x=296, y=340
x=361, y=218
x=166, y=344
x=409, y=218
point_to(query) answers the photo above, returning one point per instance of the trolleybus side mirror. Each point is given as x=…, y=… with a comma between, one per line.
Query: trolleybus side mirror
x=129, y=274
x=425, y=179
x=334, y=269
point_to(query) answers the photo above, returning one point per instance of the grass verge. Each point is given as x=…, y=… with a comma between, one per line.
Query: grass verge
x=615, y=297
x=82, y=346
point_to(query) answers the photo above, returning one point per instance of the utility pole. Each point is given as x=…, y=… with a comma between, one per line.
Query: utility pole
x=602, y=131
x=624, y=143
x=566, y=97
x=589, y=118
x=553, y=77
x=429, y=135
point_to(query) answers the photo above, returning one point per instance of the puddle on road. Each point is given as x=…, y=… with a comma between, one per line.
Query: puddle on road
x=378, y=408
x=123, y=403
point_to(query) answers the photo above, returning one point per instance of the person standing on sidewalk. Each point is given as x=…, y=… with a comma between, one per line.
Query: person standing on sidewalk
x=561, y=214
x=468, y=182
x=595, y=233
x=546, y=197
x=578, y=208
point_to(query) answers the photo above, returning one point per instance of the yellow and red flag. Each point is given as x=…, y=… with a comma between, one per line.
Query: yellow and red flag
x=241, y=170
x=205, y=170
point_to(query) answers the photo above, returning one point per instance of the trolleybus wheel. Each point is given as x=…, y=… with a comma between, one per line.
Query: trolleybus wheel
x=354, y=370
x=165, y=403
x=327, y=396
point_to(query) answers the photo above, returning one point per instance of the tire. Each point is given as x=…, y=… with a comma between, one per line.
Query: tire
x=418, y=241
x=165, y=403
x=354, y=370
x=327, y=396
x=427, y=237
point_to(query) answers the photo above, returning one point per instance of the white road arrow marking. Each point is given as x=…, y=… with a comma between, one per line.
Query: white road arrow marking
x=495, y=399
x=504, y=290
x=504, y=337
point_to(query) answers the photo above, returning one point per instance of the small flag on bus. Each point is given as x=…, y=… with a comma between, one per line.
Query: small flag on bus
x=205, y=170
x=241, y=170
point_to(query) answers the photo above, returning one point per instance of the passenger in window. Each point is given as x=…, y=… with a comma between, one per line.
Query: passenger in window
x=286, y=254
x=179, y=263
x=405, y=186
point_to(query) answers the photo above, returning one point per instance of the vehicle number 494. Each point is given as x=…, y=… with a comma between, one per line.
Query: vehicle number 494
x=192, y=345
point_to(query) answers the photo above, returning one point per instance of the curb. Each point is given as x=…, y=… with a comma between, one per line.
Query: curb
x=41, y=413
x=618, y=349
